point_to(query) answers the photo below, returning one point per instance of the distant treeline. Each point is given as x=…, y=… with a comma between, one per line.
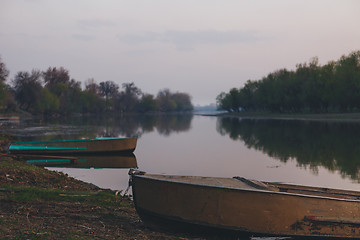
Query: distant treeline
x=53, y=92
x=334, y=87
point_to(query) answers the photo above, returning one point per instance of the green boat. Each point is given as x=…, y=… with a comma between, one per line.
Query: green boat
x=76, y=146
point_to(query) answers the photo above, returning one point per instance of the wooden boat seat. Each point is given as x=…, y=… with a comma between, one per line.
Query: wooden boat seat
x=257, y=184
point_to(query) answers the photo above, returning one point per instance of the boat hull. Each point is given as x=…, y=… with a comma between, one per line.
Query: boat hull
x=81, y=146
x=246, y=209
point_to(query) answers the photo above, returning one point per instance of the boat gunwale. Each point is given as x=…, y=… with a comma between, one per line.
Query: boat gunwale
x=16, y=147
x=149, y=177
x=75, y=140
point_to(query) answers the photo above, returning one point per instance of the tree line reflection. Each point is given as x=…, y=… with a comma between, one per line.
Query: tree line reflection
x=333, y=145
x=133, y=125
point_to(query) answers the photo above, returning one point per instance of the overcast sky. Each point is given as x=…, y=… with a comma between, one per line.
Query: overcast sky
x=200, y=47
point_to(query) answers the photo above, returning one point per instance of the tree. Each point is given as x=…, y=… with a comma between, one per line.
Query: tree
x=147, y=103
x=91, y=103
x=327, y=77
x=347, y=77
x=235, y=100
x=169, y=102
x=311, y=87
x=27, y=89
x=92, y=86
x=4, y=72
x=246, y=96
x=183, y=101
x=164, y=101
x=128, y=99
x=67, y=90
x=91, y=98
x=223, y=102
x=56, y=79
x=53, y=91
x=108, y=89
x=49, y=103
x=4, y=94
x=70, y=99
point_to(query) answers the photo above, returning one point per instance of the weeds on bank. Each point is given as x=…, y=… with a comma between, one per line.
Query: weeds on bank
x=6, y=163
x=47, y=188
x=30, y=194
x=76, y=237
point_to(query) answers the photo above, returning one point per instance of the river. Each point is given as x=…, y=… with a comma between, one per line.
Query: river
x=316, y=153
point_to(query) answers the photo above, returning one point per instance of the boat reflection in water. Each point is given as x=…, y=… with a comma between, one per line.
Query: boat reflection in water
x=90, y=161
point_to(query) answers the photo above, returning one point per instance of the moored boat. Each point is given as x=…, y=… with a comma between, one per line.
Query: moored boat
x=77, y=146
x=248, y=206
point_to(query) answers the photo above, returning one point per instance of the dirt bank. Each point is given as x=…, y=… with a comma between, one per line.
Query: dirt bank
x=36, y=203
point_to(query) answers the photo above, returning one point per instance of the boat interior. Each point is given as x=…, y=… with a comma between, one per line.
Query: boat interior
x=247, y=184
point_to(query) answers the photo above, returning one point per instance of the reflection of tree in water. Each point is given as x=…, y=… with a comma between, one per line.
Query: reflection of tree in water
x=91, y=127
x=333, y=145
x=136, y=125
x=167, y=124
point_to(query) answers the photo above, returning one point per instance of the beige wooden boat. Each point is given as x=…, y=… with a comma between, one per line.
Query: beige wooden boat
x=75, y=146
x=248, y=206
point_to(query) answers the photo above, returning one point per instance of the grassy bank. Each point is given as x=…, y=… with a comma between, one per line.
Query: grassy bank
x=36, y=203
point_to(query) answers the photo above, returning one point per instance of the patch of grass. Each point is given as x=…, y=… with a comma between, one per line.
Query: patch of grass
x=20, y=173
x=27, y=193
x=5, y=139
x=74, y=236
x=30, y=236
x=30, y=194
x=20, y=166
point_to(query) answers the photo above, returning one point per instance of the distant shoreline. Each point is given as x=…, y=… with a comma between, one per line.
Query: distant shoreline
x=353, y=117
x=348, y=117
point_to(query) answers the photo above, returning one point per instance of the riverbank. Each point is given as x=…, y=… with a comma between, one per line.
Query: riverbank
x=347, y=117
x=36, y=203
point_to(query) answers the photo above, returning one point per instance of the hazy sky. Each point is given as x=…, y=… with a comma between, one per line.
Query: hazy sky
x=200, y=47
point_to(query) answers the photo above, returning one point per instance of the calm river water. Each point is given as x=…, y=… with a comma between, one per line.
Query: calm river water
x=302, y=152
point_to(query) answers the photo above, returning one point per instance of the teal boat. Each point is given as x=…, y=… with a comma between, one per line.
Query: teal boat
x=76, y=146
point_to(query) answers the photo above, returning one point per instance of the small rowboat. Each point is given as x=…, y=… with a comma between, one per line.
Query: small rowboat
x=78, y=146
x=247, y=206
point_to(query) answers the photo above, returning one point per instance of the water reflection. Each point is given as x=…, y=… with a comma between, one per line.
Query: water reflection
x=333, y=145
x=136, y=125
x=91, y=127
x=93, y=161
